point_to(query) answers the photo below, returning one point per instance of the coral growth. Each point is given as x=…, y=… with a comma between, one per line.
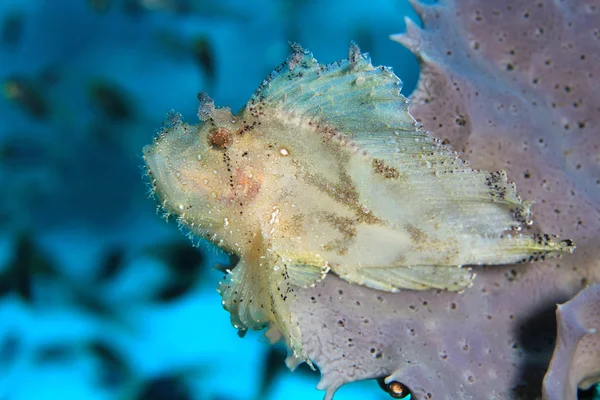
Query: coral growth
x=576, y=360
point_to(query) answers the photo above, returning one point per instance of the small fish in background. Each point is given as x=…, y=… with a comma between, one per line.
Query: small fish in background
x=110, y=101
x=11, y=29
x=93, y=302
x=324, y=170
x=185, y=263
x=111, y=264
x=272, y=366
x=30, y=264
x=28, y=94
x=28, y=261
x=87, y=295
x=199, y=48
x=114, y=370
x=166, y=387
x=204, y=56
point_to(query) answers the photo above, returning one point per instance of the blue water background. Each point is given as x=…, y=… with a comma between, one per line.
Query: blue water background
x=72, y=187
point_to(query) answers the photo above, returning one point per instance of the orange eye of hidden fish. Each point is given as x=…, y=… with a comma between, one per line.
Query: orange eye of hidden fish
x=220, y=138
x=397, y=390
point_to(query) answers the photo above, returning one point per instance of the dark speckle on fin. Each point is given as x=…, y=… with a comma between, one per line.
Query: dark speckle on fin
x=206, y=109
x=354, y=55
x=296, y=56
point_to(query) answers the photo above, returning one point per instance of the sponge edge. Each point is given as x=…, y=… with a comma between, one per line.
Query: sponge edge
x=576, y=360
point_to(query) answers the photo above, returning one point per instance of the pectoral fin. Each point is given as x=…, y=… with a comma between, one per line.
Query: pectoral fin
x=243, y=291
x=259, y=290
x=304, y=270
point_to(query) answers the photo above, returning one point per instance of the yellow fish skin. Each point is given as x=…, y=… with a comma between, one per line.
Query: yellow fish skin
x=325, y=170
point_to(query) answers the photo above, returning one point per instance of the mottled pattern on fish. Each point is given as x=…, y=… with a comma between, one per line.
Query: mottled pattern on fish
x=325, y=169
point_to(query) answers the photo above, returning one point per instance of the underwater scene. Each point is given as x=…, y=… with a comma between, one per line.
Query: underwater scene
x=299, y=199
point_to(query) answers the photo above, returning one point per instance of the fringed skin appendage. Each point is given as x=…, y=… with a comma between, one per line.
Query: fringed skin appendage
x=258, y=293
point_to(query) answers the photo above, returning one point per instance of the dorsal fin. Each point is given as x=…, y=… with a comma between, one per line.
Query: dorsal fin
x=363, y=103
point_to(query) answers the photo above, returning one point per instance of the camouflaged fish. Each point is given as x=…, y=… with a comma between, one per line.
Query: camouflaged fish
x=325, y=170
